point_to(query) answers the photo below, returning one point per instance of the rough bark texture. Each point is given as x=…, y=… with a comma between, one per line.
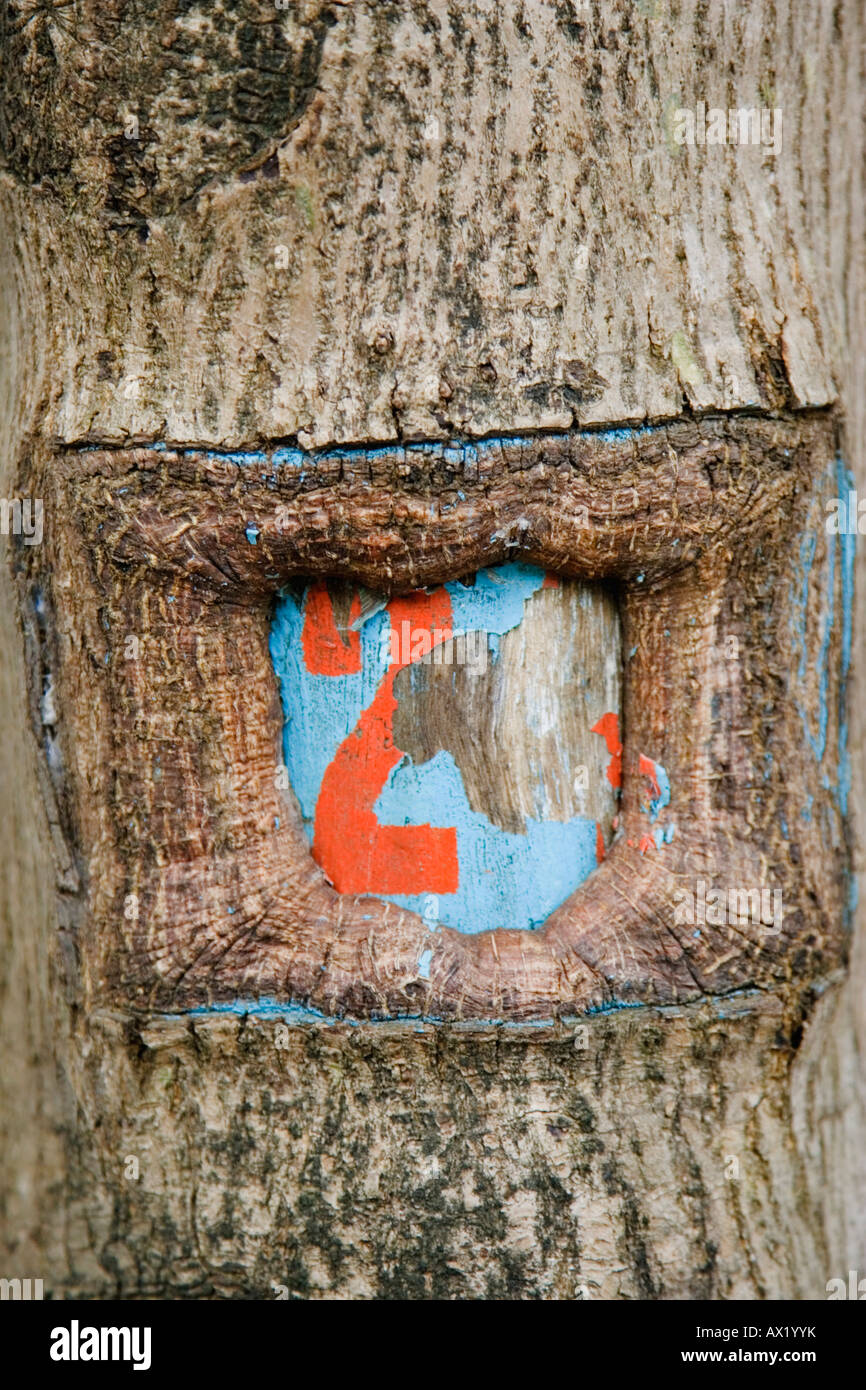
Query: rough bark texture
x=383, y=218
x=168, y=763
x=352, y=223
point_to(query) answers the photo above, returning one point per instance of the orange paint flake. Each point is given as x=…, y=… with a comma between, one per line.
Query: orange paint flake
x=326, y=653
x=599, y=843
x=647, y=768
x=608, y=727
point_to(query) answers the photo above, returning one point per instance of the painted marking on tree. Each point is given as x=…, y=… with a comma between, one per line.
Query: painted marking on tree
x=608, y=727
x=824, y=567
x=401, y=828
x=327, y=652
x=360, y=853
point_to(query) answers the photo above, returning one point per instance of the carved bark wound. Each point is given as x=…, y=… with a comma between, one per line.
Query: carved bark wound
x=699, y=523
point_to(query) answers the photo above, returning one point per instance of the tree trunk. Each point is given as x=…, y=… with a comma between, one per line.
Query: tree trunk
x=387, y=298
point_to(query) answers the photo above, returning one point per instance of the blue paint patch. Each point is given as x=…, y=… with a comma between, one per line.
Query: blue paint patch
x=459, y=453
x=319, y=712
x=300, y=1014
x=507, y=881
x=847, y=547
x=853, y=898
x=619, y=436
x=839, y=561
x=289, y=458
x=495, y=604
x=663, y=834
x=261, y=1008
x=658, y=803
x=242, y=457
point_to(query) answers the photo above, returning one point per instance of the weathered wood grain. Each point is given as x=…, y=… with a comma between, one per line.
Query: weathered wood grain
x=522, y=731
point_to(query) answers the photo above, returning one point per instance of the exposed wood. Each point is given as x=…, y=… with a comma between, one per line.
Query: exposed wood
x=522, y=730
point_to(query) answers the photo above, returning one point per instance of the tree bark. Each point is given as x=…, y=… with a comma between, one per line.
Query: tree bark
x=336, y=226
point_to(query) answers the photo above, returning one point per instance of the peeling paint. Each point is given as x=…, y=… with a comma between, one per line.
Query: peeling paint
x=377, y=822
x=838, y=574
